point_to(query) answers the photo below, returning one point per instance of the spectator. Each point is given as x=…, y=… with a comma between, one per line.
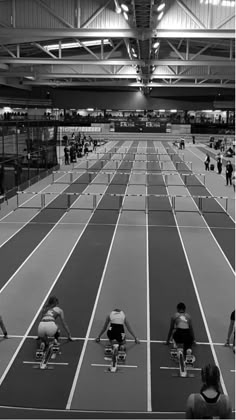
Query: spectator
x=229, y=172
x=210, y=402
x=182, y=144
x=230, y=331
x=219, y=162
x=193, y=137
x=207, y=162
x=66, y=155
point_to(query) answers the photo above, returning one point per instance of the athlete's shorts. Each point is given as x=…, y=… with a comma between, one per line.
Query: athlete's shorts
x=182, y=336
x=116, y=332
x=47, y=328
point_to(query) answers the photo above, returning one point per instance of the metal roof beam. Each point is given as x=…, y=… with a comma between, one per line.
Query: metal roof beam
x=116, y=62
x=116, y=75
x=16, y=35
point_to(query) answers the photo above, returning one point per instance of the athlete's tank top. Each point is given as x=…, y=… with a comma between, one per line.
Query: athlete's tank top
x=215, y=408
x=51, y=314
x=182, y=320
x=117, y=317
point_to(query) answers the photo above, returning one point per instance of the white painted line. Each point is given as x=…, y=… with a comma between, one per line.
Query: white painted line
x=49, y=363
x=177, y=368
x=149, y=389
x=200, y=306
x=105, y=339
x=119, y=365
x=72, y=391
x=210, y=191
x=41, y=306
x=233, y=370
x=209, y=229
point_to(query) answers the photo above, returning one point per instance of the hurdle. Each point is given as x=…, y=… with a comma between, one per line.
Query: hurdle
x=172, y=199
x=165, y=175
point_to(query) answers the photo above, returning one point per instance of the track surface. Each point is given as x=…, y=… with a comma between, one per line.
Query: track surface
x=144, y=263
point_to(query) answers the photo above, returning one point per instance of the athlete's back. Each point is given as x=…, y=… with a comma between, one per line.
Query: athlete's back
x=200, y=407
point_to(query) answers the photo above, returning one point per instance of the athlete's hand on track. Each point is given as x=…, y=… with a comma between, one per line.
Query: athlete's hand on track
x=167, y=343
x=227, y=343
x=97, y=340
x=137, y=341
x=70, y=338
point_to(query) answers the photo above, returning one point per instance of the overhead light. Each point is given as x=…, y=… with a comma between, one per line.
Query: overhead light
x=69, y=45
x=207, y=110
x=173, y=110
x=156, y=44
x=135, y=55
x=126, y=16
x=90, y=109
x=118, y=8
x=160, y=16
x=124, y=7
x=162, y=110
x=161, y=7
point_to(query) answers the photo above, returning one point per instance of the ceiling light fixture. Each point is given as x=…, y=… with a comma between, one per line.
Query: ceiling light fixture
x=77, y=44
x=161, y=7
x=124, y=7
x=160, y=16
x=156, y=44
x=126, y=16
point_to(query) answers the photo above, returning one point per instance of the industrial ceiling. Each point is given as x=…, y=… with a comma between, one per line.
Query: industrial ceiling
x=126, y=44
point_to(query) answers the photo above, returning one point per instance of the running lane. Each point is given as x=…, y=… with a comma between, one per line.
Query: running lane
x=36, y=230
x=214, y=215
x=76, y=289
x=123, y=286
x=170, y=282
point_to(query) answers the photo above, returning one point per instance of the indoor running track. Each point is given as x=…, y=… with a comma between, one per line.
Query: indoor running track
x=141, y=262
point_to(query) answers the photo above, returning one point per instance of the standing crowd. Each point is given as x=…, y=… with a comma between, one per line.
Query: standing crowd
x=79, y=146
x=229, y=169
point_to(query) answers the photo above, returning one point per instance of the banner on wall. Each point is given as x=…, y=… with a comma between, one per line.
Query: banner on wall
x=152, y=124
x=127, y=124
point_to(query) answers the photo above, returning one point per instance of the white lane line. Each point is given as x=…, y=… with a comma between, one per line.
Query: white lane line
x=121, y=366
x=52, y=410
x=149, y=389
x=209, y=229
x=200, y=305
x=26, y=362
x=41, y=306
x=73, y=387
x=211, y=192
x=177, y=368
x=202, y=343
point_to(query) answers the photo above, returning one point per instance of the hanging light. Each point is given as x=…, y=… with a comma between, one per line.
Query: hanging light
x=126, y=16
x=124, y=7
x=161, y=7
x=160, y=16
x=156, y=44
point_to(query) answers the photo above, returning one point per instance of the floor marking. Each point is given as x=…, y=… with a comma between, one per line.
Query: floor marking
x=41, y=306
x=149, y=390
x=57, y=410
x=209, y=229
x=200, y=306
x=49, y=363
x=209, y=190
x=45, y=237
x=233, y=370
x=72, y=391
x=177, y=368
x=105, y=339
x=119, y=365
x=48, y=185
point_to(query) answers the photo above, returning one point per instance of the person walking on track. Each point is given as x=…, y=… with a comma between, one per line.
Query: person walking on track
x=210, y=403
x=229, y=172
x=115, y=323
x=231, y=330
x=207, y=162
